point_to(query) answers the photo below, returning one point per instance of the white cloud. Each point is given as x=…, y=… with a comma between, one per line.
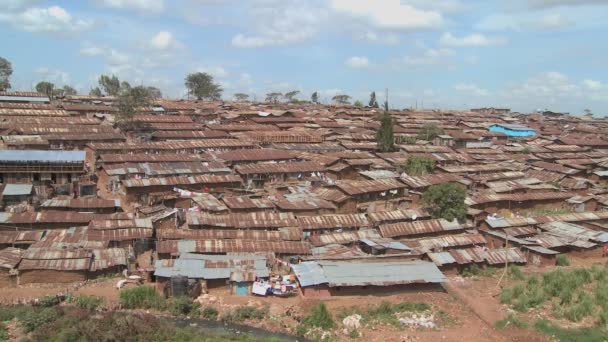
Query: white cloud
x=245, y=80
x=357, y=62
x=13, y=5
x=55, y=76
x=555, y=3
x=164, y=40
x=215, y=71
x=443, y=6
x=53, y=19
x=592, y=85
x=384, y=38
x=525, y=22
x=430, y=57
x=475, y=39
x=390, y=14
x=141, y=6
x=471, y=89
x=88, y=49
x=551, y=22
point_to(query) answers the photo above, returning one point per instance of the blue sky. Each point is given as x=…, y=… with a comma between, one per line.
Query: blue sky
x=523, y=54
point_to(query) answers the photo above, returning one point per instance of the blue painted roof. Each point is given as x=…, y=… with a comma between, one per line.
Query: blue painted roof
x=515, y=127
x=42, y=156
x=23, y=98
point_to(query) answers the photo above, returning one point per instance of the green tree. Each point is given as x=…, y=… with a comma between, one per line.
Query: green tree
x=408, y=139
x=429, y=132
x=95, y=92
x=446, y=201
x=203, y=87
x=68, y=90
x=341, y=99
x=45, y=87
x=129, y=101
x=384, y=136
x=418, y=166
x=314, y=97
x=155, y=93
x=372, y=100
x=273, y=97
x=241, y=96
x=358, y=103
x=6, y=70
x=290, y=96
x=110, y=85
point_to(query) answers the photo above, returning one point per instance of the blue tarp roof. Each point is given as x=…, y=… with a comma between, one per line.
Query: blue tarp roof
x=42, y=156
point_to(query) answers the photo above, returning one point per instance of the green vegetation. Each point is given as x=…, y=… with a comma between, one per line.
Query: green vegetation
x=142, y=297
x=384, y=137
x=183, y=306
x=318, y=318
x=594, y=334
x=419, y=166
x=314, y=98
x=242, y=313
x=562, y=260
x=372, y=100
x=446, y=201
x=209, y=313
x=341, y=99
x=475, y=271
x=511, y=320
x=3, y=332
x=387, y=313
x=48, y=301
x=202, y=86
x=573, y=295
x=407, y=139
x=429, y=132
x=86, y=302
x=358, y=104
x=6, y=70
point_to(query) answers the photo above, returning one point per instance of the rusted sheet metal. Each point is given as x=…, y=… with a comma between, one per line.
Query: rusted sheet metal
x=441, y=242
x=175, y=127
x=149, y=118
x=416, y=182
x=566, y=148
x=208, y=202
x=532, y=196
x=189, y=134
x=426, y=149
x=152, y=158
x=217, y=234
x=369, y=146
x=497, y=176
x=342, y=238
x=332, y=195
x=476, y=168
x=81, y=203
x=10, y=257
x=63, y=260
x=266, y=137
x=287, y=167
x=57, y=217
x=520, y=231
x=376, y=162
x=83, y=107
x=109, y=257
x=232, y=246
x=244, y=202
x=256, y=155
x=166, y=169
x=419, y=227
x=20, y=237
x=546, y=176
x=120, y=224
x=19, y=105
x=394, y=216
x=502, y=256
x=246, y=220
x=86, y=137
x=302, y=203
x=348, y=221
x=172, y=145
x=241, y=127
x=527, y=221
x=183, y=180
x=554, y=168
x=124, y=234
x=33, y=112
x=63, y=129
x=77, y=237
x=367, y=186
x=570, y=230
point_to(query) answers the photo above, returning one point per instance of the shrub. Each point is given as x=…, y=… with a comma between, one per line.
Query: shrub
x=182, y=306
x=580, y=310
x=3, y=332
x=516, y=273
x=142, y=297
x=210, y=313
x=562, y=260
x=319, y=317
x=36, y=318
x=474, y=271
x=244, y=312
x=513, y=320
x=87, y=302
x=48, y=301
x=569, y=335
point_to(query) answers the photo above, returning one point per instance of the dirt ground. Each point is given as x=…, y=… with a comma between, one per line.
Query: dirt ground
x=471, y=306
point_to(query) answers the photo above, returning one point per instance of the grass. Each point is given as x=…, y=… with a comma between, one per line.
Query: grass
x=475, y=271
x=209, y=313
x=183, y=306
x=594, y=334
x=511, y=320
x=142, y=297
x=319, y=317
x=243, y=313
x=387, y=313
x=3, y=332
x=86, y=302
x=562, y=260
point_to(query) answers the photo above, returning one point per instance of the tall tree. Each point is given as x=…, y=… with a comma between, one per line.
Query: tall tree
x=68, y=90
x=202, y=86
x=384, y=136
x=289, y=96
x=95, y=92
x=241, y=96
x=358, y=104
x=155, y=93
x=129, y=101
x=446, y=201
x=124, y=86
x=273, y=97
x=419, y=166
x=314, y=97
x=6, y=70
x=372, y=100
x=45, y=87
x=429, y=132
x=110, y=85
x=341, y=99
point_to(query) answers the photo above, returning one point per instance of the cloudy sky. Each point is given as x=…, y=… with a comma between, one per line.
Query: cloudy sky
x=524, y=54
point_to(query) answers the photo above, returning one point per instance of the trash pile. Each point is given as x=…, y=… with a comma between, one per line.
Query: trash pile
x=419, y=321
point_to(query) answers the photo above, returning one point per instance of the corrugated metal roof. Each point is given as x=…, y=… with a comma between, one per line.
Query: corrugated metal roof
x=352, y=187
x=17, y=189
x=527, y=221
x=574, y=231
x=309, y=273
x=333, y=221
x=398, y=215
x=10, y=257
x=419, y=227
x=41, y=156
x=233, y=246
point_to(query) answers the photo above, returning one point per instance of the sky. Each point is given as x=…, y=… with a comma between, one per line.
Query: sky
x=452, y=54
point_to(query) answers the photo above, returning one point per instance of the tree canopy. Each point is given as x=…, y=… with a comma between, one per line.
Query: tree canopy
x=241, y=96
x=203, y=87
x=6, y=70
x=341, y=99
x=419, y=166
x=429, y=132
x=372, y=100
x=45, y=87
x=110, y=85
x=273, y=97
x=384, y=136
x=95, y=92
x=68, y=90
x=155, y=93
x=358, y=103
x=314, y=97
x=446, y=201
x=131, y=99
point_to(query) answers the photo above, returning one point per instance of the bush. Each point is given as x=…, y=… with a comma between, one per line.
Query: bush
x=48, y=301
x=87, y=302
x=513, y=320
x=475, y=271
x=581, y=309
x=3, y=332
x=182, y=306
x=142, y=297
x=210, y=313
x=570, y=335
x=562, y=260
x=243, y=313
x=36, y=318
x=516, y=273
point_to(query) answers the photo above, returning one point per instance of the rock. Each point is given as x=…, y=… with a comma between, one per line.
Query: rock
x=352, y=322
x=422, y=321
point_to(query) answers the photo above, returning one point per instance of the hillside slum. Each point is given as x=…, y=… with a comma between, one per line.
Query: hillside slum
x=199, y=195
